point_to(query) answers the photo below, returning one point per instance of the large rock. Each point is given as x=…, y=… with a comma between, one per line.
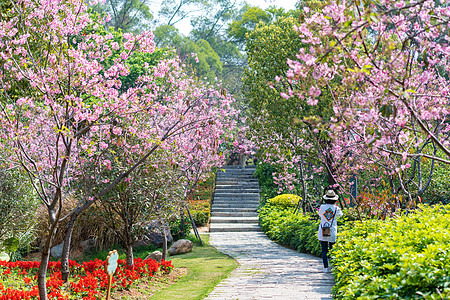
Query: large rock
x=153, y=234
x=180, y=246
x=87, y=245
x=156, y=255
x=57, y=250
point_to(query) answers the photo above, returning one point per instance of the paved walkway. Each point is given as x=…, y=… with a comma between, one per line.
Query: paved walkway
x=268, y=271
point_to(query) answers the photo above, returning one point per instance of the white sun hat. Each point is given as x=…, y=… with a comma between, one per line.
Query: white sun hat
x=330, y=195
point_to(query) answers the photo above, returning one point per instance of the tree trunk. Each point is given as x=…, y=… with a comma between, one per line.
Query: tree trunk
x=182, y=223
x=42, y=273
x=302, y=178
x=130, y=259
x=66, y=248
x=164, y=249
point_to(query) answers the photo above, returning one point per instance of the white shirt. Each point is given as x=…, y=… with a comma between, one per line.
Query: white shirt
x=326, y=213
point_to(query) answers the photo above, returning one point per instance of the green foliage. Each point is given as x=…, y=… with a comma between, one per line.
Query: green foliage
x=439, y=189
x=247, y=20
x=18, y=207
x=176, y=230
x=264, y=174
x=209, y=64
x=401, y=258
x=285, y=200
x=296, y=231
x=200, y=211
x=127, y=15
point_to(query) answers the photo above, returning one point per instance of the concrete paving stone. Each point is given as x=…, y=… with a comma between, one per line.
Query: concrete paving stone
x=269, y=271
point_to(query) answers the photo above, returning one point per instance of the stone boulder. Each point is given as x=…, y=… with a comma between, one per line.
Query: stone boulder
x=180, y=246
x=156, y=255
x=87, y=245
x=57, y=250
x=153, y=234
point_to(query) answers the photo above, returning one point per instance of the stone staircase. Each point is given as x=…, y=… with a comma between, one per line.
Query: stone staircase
x=236, y=200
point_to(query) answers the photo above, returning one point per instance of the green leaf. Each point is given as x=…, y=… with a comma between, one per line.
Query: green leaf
x=11, y=244
x=386, y=110
x=424, y=57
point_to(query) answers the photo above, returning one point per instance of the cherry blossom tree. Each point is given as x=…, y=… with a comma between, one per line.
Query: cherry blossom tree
x=390, y=60
x=62, y=109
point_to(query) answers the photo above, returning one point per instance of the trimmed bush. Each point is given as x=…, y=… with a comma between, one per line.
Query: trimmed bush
x=400, y=258
x=285, y=200
x=200, y=211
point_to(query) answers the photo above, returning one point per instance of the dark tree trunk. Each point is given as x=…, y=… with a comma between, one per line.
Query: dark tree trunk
x=130, y=258
x=164, y=249
x=42, y=273
x=65, y=271
x=182, y=223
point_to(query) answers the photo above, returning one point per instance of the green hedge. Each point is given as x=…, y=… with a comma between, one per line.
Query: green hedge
x=402, y=258
x=286, y=228
x=407, y=257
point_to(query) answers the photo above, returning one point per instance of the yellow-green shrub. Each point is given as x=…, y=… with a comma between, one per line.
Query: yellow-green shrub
x=285, y=200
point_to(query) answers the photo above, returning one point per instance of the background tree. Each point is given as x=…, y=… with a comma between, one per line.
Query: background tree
x=127, y=15
x=288, y=131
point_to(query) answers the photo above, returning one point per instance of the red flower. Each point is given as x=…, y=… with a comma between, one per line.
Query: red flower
x=7, y=272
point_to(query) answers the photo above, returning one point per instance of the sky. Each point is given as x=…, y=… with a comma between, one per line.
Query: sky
x=185, y=27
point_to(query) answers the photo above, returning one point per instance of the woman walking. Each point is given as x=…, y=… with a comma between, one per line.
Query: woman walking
x=327, y=232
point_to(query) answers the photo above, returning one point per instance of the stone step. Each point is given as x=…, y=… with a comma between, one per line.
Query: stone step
x=235, y=175
x=246, y=220
x=237, y=197
x=229, y=194
x=237, y=170
x=235, y=205
x=231, y=182
x=233, y=210
x=235, y=187
x=229, y=227
x=237, y=191
x=234, y=181
x=241, y=174
x=234, y=214
x=238, y=187
x=236, y=200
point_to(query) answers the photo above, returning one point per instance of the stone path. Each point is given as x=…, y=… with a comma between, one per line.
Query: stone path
x=269, y=271
x=266, y=270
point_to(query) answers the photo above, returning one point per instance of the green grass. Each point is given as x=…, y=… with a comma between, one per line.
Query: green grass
x=206, y=268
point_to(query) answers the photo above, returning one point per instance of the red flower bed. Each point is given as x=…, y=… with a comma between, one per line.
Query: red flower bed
x=88, y=280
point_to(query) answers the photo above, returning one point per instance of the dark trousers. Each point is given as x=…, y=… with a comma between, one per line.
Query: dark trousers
x=325, y=247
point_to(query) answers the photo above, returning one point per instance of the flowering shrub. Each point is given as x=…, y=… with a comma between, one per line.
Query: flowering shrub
x=89, y=279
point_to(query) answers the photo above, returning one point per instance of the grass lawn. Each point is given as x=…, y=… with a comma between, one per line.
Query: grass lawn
x=206, y=268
